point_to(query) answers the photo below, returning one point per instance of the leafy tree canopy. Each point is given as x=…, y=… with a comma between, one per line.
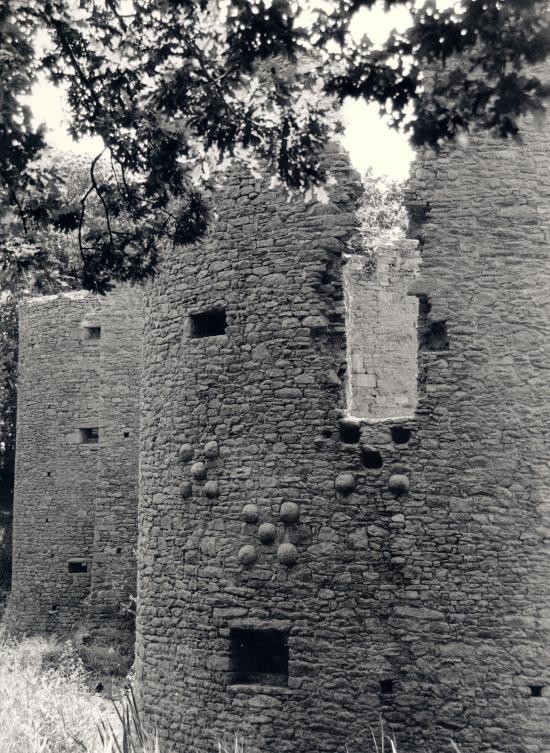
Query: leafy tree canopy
x=175, y=88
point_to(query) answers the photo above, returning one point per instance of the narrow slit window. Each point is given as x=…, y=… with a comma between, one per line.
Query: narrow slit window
x=259, y=657
x=78, y=566
x=536, y=691
x=386, y=687
x=89, y=435
x=208, y=324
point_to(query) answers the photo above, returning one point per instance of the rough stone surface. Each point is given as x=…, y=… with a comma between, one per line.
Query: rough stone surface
x=75, y=501
x=271, y=392
x=116, y=499
x=474, y=542
x=427, y=608
x=381, y=323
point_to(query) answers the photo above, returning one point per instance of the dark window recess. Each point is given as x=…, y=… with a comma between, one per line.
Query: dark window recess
x=400, y=435
x=386, y=686
x=431, y=335
x=54, y=608
x=208, y=324
x=259, y=657
x=371, y=458
x=350, y=433
x=89, y=435
x=126, y=434
x=536, y=690
x=93, y=333
x=78, y=566
x=48, y=474
x=327, y=433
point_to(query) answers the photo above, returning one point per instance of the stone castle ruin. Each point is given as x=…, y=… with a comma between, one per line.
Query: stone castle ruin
x=75, y=527
x=343, y=508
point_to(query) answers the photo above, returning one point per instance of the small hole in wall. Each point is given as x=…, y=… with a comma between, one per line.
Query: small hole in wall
x=48, y=474
x=432, y=335
x=89, y=435
x=208, y=324
x=54, y=607
x=78, y=566
x=93, y=333
x=118, y=550
x=536, y=690
x=386, y=686
x=325, y=278
x=438, y=338
x=350, y=433
x=400, y=435
x=259, y=656
x=371, y=458
x=327, y=433
x=126, y=434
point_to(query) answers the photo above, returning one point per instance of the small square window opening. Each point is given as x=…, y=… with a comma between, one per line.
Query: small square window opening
x=78, y=566
x=89, y=435
x=259, y=656
x=208, y=324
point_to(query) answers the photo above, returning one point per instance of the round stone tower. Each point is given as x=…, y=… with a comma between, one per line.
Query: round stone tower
x=260, y=556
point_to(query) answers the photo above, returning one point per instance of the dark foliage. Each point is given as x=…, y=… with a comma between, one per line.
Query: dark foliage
x=175, y=87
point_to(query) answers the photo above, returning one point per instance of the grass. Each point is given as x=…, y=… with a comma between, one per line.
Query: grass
x=48, y=707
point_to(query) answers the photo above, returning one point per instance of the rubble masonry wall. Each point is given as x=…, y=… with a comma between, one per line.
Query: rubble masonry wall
x=75, y=504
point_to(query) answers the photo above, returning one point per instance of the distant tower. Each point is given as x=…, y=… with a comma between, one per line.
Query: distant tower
x=75, y=507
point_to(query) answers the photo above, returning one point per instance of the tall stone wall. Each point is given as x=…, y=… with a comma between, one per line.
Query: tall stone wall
x=56, y=473
x=302, y=571
x=5, y=552
x=75, y=501
x=381, y=319
x=263, y=567
x=115, y=528
x=475, y=648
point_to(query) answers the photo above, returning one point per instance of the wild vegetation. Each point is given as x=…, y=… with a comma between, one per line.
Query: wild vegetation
x=49, y=704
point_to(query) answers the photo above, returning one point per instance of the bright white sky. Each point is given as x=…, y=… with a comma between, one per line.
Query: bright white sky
x=368, y=139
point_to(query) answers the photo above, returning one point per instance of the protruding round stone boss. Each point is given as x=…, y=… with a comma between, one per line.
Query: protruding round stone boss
x=251, y=513
x=267, y=533
x=287, y=554
x=198, y=471
x=247, y=555
x=290, y=512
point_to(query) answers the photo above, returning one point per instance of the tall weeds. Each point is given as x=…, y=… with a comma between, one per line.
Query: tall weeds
x=47, y=709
